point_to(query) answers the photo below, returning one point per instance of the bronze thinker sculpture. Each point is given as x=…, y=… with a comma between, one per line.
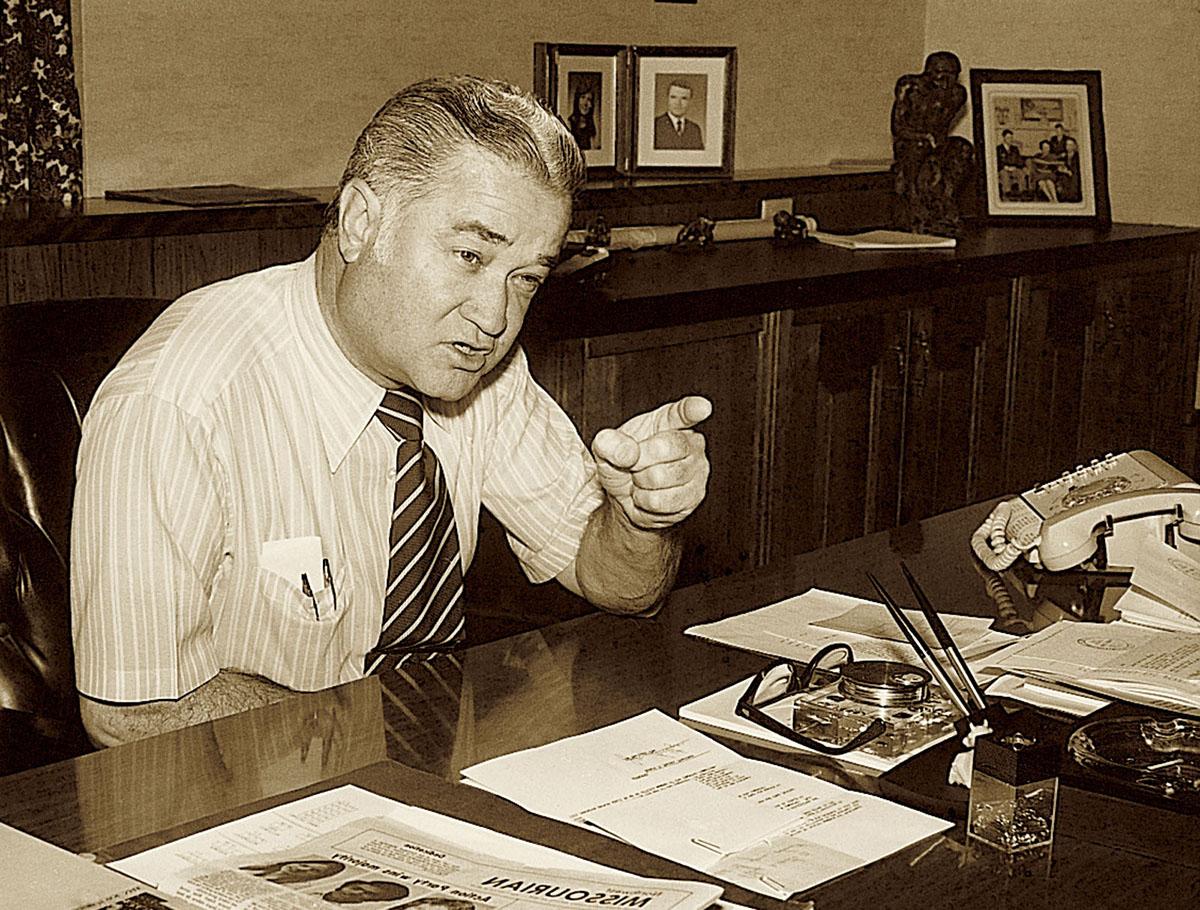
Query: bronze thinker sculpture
x=930, y=167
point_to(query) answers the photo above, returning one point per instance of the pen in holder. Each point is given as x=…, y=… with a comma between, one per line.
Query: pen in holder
x=956, y=679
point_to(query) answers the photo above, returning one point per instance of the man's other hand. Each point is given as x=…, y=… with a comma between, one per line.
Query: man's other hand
x=654, y=464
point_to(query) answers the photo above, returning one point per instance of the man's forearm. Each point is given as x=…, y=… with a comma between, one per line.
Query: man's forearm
x=622, y=568
x=110, y=724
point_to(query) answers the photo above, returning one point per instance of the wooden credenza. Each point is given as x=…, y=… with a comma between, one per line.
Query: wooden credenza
x=856, y=392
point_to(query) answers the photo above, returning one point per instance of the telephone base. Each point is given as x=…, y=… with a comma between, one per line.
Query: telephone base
x=1084, y=595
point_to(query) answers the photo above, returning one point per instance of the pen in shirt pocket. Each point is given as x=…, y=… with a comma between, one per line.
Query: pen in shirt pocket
x=327, y=576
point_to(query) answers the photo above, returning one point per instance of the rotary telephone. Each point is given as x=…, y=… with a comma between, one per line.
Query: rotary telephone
x=1091, y=517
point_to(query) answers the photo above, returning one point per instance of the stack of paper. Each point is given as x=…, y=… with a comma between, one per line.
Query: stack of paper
x=1146, y=666
x=1165, y=588
x=674, y=792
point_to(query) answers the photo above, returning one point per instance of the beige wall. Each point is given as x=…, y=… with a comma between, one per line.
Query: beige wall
x=1148, y=54
x=273, y=92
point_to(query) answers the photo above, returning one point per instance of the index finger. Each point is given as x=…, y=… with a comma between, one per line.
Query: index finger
x=686, y=413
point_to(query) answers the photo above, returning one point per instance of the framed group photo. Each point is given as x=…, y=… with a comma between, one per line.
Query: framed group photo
x=1039, y=135
x=682, y=110
x=583, y=84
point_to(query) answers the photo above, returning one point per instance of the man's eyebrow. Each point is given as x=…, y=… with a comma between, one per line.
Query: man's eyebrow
x=485, y=233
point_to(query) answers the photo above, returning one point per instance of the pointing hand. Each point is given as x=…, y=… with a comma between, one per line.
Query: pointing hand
x=654, y=464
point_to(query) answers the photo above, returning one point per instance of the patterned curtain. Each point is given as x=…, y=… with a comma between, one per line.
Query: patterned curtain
x=42, y=154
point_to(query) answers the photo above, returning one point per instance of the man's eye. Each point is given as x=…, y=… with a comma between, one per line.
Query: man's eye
x=470, y=257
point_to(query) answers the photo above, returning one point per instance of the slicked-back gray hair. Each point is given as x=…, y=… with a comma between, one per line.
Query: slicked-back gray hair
x=402, y=151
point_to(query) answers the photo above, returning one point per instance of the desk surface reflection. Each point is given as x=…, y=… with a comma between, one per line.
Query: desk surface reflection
x=577, y=675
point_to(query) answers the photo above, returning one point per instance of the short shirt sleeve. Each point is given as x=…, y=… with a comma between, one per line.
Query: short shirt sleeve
x=540, y=480
x=146, y=539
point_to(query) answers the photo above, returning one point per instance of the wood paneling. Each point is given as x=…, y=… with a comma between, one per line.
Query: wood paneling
x=103, y=268
x=34, y=273
x=633, y=373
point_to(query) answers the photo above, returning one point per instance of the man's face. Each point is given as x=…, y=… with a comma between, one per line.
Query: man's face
x=677, y=100
x=359, y=892
x=439, y=294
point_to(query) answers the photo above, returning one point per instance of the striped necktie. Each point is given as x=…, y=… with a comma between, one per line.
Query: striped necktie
x=422, y=603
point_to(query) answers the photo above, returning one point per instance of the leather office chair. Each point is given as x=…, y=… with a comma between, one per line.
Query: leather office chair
x=53, y=355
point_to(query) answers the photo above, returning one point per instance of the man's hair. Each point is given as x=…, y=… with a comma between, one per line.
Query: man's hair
x=679, y=83
x=403, y=150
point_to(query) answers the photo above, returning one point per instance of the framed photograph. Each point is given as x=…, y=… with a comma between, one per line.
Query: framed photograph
x=1040, y=140
x=583, y=84
x=682, y=110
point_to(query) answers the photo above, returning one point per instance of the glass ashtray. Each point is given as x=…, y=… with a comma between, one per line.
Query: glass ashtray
x=1162, y=756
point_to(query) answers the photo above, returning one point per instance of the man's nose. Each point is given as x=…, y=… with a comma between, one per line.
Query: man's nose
x=487, y=308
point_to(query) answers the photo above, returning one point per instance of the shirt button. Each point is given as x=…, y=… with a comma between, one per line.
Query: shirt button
x=391, y=475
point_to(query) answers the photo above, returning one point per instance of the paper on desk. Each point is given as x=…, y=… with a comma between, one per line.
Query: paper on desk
x=675, y=792
x=1133, y=663
x=1168, y=575
x=800, y=626
x=1045, y=694
x=1144, y=609
x=872, y=620
x=39, y=874
x=424, y=850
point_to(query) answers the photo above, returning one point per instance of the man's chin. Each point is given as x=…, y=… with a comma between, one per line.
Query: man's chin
x=455, y=386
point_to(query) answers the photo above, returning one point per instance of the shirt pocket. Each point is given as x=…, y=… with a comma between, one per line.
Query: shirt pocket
x=305, y=646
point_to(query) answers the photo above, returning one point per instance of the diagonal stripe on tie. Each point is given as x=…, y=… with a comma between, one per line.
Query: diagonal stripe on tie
x=422, y=607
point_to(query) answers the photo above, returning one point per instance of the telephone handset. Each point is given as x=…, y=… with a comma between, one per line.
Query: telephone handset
x=1116, y=499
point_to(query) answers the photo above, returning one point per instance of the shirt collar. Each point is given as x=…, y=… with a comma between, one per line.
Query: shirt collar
x=344, y=399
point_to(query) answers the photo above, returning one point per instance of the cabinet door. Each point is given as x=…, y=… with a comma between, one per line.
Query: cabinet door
x=1104, y=360
x=836, y=424
x=954, y=408
x=628, y=374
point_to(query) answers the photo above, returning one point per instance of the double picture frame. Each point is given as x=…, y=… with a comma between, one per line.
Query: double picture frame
x=1039, y=135
x=642, y=110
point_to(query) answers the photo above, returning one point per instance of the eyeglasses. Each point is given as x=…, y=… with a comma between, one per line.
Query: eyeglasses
x=780, y=683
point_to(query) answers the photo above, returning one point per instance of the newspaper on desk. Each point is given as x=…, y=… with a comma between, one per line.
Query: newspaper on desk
x=352, y=846
x=672, y=791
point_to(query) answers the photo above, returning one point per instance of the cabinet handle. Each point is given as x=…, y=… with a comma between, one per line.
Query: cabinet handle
x=921, y=363
x=898, y=352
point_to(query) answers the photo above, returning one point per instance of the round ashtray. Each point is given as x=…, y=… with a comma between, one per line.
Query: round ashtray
x=1156, y=755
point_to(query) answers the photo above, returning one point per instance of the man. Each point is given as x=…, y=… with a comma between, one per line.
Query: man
x=1011, y=165
x=1058, y=140
x=279, y=484
x=672, y=129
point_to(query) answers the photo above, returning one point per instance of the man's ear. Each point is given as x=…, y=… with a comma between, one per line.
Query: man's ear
x=359, y=214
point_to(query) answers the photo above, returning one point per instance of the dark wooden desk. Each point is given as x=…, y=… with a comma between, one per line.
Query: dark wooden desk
x=572, y=677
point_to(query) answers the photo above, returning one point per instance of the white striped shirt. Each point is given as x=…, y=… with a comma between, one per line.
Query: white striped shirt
x=236, y=420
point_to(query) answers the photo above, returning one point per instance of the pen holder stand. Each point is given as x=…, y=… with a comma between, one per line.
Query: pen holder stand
x=1014, y=785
